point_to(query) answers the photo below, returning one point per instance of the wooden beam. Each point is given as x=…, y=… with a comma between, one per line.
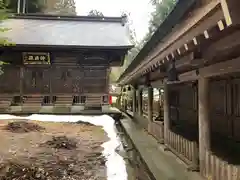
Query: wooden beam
x=209, y=20
x=188, y=76
x=225, y=42
x=185, y=60
x=222, y=68
x=230, y=66
x=191, y=22
x=158, y=83
x=231, y=11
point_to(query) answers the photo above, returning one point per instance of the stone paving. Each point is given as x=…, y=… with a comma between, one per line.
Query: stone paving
x=78, y=110
x=162, y=164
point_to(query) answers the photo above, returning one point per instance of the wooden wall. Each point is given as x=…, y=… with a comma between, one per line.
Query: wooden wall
x=10, y=80
x=68, y=73
x=225, y=106
x=188, y=101
x=183, y=103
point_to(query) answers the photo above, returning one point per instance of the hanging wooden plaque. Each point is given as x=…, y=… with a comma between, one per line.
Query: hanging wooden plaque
x=36, y=58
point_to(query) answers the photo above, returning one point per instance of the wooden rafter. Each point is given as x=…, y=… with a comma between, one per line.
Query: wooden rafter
x=231, y=11
x=183, y=42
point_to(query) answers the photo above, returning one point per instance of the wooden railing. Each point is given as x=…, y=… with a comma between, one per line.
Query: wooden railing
x=215, y=168
x=187, y=150
x=145, y=114
x=157, y=130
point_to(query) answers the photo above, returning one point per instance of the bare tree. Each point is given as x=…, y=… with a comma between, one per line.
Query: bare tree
x=65, y=7
x=95, y=13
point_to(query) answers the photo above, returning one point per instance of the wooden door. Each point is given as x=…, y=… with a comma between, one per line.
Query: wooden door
x=218, y=107
x=62, y=80
x=36, y=81
x=235, y=102
x=95, y=80
x=77, y=81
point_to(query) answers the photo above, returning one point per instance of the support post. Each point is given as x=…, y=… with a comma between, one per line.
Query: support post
x=159, y=102
x=150, y=106
x=140, y=111
x=125, y=103
x=18, y=6
x=203, y=119
x=21, y=83
x=134, y=101
x=166, y=107
x=50, y=86
x=24, y=7
x=231, y=11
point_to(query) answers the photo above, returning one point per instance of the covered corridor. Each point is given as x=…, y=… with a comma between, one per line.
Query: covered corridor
x=192, y=61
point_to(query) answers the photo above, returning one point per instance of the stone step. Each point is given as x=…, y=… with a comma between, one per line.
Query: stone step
x=33, y=100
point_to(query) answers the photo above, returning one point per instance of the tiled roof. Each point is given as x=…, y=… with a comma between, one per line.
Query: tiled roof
x=77, y=31
x=178, y=12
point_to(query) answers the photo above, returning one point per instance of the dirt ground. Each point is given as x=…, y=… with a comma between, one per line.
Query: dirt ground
x=35, y=152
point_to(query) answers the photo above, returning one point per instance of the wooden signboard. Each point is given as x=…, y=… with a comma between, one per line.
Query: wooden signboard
x=36, y=58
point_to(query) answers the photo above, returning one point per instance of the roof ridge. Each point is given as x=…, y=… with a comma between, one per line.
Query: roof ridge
x=68, y=17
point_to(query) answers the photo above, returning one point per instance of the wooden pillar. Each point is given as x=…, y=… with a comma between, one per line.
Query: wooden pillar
x=21, y=83
x=140, y=110
x=125, y=103
x=159, y=102
x=50, y=85
x=150, y=108
x=118, y=103
x=231, y=11
x=166, y=107
x=150, y=104
x=134, y=98
x=203, y=119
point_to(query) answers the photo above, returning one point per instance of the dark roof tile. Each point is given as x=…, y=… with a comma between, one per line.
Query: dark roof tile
x=66, y=31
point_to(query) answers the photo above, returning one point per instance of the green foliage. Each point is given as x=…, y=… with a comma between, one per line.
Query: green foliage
x=162, y=8
x=65, y=7
x=32, y=6
x=3, y=41
x=95, y=13
x=161, y=12
x=3, y=16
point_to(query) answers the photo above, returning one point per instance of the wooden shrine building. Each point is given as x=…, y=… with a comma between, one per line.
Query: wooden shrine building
x=194, y=58
x=60, y=60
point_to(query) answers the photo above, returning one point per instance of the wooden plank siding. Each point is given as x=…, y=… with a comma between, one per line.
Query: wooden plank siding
x=67, y=74
x=186, y=149
x=218, y=169
x=10, y=80
x=183, y=103
x=225, y=106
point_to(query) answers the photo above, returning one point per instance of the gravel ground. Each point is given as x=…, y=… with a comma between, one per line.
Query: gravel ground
x=62, y=151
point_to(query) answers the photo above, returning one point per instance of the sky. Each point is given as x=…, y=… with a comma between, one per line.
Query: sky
x=140, y=11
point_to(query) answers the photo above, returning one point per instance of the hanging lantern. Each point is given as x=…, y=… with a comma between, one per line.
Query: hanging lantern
x=162, y=68
x=147, y=81
x=172, y=72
